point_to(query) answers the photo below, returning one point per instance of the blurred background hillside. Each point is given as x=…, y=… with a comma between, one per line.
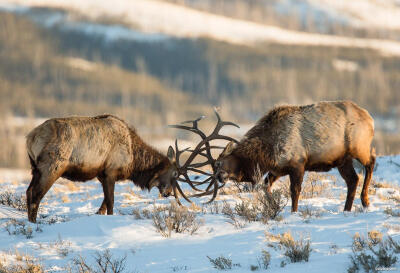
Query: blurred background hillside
x=155, y=63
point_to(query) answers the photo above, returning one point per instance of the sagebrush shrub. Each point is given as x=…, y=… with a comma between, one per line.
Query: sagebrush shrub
x=222, y=263
x=272, y=204
x=264, y=259
x=18, y=227
x=261, y=206
x=175, y=218
x=295, y=250
x=235, y=221
x=10, y=199
x=372, y=254
x=104, y=263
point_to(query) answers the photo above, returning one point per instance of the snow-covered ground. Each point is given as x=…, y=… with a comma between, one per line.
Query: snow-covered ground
x=70, y=227
x=156, y=18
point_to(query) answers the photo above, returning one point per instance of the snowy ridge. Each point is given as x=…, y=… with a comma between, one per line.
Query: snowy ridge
x=174, y=20
x=383, y=14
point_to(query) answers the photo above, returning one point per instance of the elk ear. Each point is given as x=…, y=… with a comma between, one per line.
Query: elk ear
x=171, y=154
x=229, y=148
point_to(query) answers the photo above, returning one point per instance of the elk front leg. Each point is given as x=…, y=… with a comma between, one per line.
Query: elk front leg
x=108, y=184
x=269, y=180
x=40, y=185
x=296, y=179
x=103, y=208
x=32, y=210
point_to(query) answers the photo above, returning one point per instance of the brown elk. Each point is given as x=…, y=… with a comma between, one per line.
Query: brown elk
x=290, y=140
x=82, y=148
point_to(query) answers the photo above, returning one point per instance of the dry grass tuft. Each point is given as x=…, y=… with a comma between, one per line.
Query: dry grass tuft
x=317, y=185
x=22, y=264
x=392, y=227
x=65, y=199
x=391, y=212
x=307, y=213
x=375, y=237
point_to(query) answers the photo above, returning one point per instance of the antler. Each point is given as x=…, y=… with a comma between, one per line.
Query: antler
x=203, y=149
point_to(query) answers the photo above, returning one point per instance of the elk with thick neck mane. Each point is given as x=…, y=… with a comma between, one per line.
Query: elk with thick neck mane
x=83, y=148
x=290, y=140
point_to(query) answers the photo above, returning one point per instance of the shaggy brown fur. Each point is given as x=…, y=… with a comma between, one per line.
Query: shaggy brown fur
x=82, y=148
x=290, y=140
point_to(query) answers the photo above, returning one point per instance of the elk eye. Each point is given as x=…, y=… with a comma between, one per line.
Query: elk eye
x=175, y=174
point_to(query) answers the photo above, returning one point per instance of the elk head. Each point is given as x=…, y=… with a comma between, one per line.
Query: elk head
x=165, y=180
x=228, y=165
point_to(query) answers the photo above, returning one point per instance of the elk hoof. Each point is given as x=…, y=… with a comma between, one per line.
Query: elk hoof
x=365, y=202
x=101, y=212
x=347, y=209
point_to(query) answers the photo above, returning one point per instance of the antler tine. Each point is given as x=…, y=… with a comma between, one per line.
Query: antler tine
x=176, y=186
x=199, y=151
x=187, y=180
x=198, y=171
x=215, y=191
x=194, y=127
x=176, y=194
x=208, y=192
x=178, y=153
x=194, y=122
x=220, y=124
x=203, y=148
x=198, y=165
x=177, y=160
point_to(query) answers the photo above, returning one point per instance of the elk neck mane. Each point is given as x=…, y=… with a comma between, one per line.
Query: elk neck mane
x=257, y=146
x=146, y=161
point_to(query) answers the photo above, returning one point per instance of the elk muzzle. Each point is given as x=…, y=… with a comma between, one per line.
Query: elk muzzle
x=165, y=191
x=222, y=176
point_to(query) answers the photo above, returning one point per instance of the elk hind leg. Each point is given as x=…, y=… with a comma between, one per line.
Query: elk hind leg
x=296, y=179
x=269, y=180
x=351, y=178
x=369, y=168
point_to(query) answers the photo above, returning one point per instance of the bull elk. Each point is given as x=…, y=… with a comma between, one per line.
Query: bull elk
x=290, y=140
x=82, y=148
